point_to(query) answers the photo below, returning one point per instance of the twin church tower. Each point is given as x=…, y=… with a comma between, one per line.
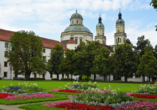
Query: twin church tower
x=76, y=32
x=120, y=35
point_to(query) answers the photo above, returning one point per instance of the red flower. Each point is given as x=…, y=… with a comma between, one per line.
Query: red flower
x=149, y=96
x=4, y=95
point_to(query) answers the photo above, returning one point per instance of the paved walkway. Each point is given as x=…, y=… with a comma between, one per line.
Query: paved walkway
x=15, y=107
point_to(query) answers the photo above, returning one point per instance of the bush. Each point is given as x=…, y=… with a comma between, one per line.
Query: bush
x=0, y=78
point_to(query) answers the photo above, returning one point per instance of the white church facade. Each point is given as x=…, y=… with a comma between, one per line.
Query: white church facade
x=71, y=37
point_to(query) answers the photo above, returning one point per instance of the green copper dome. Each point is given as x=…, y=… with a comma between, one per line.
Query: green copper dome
x=120, y=21
x=100, y=25
x=76, y=15
x=79, y=28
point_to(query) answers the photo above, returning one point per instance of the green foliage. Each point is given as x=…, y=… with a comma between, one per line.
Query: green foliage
x=55, y=60
x=125, y=61
x=67, y=64
x=148, y=63
x=25, y=53
x=84, y=58
x=100, y=63
x=154, y=3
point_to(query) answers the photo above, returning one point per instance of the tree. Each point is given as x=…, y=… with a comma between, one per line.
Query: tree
x=100, y=62
x=125, y=60
x=141, y=44
x=148, y=63
x=55, y=60
x=67, y=64
x=25, y=53
x=84, y=58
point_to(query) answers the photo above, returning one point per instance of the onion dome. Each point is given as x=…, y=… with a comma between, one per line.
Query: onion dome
x=76, y=15
x=120, y=20
x=100, y=24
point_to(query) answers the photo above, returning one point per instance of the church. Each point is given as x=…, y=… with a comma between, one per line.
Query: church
x=71, y=37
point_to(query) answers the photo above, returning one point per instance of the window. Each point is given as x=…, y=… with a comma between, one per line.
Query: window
x=76, y=40
x=6, y=44
x=35, y=75
x=80, y=40
x=103, y=41
x=44, y=50
x=120, y=40
x=72, y=22
x=44, y=57
x=124, y=39
x=43, y=75
x=51, y=75
x=116, y=40
x=77, y=21
x=5, y=53
x=5, y=64
x=5, y=74
x=51, y=50
x=118, y=31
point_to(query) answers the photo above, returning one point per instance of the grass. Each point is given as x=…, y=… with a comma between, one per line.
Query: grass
x=39, y=107
x=124, y=87
x=27, y=101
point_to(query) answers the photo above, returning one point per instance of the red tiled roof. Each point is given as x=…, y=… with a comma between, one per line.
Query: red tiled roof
x=108, y=47
x=48, y=43
x=71, y=42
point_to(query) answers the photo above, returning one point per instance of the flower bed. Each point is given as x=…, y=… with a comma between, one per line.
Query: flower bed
x=22, y=88
x=144, y=96
x=77, y=106
x=4, y=95
x=142, y=105
x=21, y=97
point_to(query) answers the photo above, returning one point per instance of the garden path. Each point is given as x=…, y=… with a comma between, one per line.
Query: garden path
x=15, y=107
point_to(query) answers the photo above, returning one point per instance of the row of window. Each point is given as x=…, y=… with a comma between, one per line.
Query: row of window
x=77, y=42
x=118, y=40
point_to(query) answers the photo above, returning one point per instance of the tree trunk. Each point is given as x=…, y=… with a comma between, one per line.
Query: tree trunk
x=80, y=77
x=143, y=78
x=109, y=77
x=58, y=76
x=104, y=77
x=71, y=77
x=27, y=75
x=126, y=78
x=94, y=77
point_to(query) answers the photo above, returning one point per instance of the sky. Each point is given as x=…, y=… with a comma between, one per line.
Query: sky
x=49, y=18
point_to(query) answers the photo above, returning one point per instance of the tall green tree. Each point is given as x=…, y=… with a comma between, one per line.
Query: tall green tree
x=25, y=53
x=100, y=63
x=67, y=64
x=125, y=60
x=55, y=60
x=84, y=58
x=140, y=48
x=148, y=63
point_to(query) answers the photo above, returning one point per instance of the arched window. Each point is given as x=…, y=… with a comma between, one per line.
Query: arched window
x=120, y=40
x=77, y=21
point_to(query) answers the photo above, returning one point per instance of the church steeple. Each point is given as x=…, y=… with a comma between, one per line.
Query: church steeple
x=120, y=15
x=100, y=18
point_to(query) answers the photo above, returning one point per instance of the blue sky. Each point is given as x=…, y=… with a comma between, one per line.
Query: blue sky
x=48, y=18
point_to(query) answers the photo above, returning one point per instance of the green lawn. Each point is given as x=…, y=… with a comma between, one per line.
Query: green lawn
x=125, y=87
x=27, y=101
